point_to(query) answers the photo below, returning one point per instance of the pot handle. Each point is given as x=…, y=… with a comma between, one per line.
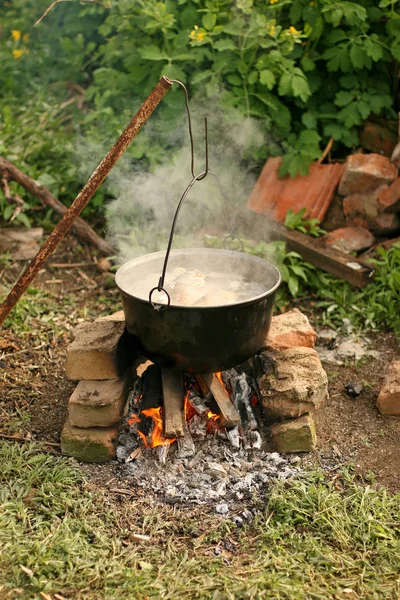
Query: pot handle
x=160, y=287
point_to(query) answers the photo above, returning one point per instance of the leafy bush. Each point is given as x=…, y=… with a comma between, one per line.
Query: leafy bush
x=307, y=70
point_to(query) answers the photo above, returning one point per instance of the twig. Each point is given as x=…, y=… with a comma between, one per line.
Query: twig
x=326, y=151
x=122, y=492
x=48, y=9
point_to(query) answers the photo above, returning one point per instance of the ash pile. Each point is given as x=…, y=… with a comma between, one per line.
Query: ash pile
x=222, y=467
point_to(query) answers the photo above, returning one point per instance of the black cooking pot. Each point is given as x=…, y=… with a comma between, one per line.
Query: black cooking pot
x=199, y=339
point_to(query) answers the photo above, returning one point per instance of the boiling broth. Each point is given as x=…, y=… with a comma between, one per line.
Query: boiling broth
x=191, y=287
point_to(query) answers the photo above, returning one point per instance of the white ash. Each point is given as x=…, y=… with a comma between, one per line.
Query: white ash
x=216, y=475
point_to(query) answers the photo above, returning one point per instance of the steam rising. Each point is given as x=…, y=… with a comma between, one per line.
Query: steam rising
x=139, y=219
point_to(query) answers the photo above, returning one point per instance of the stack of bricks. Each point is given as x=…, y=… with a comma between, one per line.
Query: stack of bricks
x=97, y=404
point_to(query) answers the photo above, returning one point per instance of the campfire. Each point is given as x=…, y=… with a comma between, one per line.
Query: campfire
x=167, y=407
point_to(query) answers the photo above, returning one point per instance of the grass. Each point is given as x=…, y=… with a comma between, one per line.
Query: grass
x=311, y=539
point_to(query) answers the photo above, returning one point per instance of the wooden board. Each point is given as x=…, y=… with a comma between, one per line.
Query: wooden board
x=313, y=250
x=210, y=382
x=172, y=385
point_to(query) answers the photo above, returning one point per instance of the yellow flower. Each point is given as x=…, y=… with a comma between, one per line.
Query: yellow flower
x=271, y=30
x=25, y=37
x=294, y=31
x=17, y=53
x=200, y=36
x=16, y=35
x=273, y=1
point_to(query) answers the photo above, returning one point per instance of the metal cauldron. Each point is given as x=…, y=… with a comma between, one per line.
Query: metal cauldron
x=199, y=339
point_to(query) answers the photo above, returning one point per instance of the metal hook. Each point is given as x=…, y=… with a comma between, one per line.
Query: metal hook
x=205, y=173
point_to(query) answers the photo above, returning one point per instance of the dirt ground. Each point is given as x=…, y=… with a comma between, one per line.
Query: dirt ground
x=34, y=390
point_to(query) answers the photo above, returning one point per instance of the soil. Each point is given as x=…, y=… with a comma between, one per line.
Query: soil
x=35, y=390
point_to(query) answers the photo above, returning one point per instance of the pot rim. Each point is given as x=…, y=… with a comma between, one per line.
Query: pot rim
x=147, y=258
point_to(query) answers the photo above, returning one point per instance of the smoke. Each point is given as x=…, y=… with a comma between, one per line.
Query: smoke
x=139, y=219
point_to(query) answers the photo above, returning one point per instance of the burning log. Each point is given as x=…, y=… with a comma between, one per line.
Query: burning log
x=209, y=382
x=172, y=389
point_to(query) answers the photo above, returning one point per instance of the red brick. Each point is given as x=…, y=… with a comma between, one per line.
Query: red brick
x=350, y=239
x=388, y=402
x=389, y=197
x=362, y=210
x=290, y=330
x=366, y=173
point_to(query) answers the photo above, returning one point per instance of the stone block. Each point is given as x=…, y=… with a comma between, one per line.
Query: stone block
x=364, y=173
x=350, y=239
x=292, y=382
x=93, y=353
x=296, y=435
x=92, y=445
x=389, y=198
x=289, y=330
x=388, y=402
x=97, y=403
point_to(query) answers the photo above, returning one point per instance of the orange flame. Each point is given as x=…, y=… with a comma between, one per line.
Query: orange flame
x=157, y=438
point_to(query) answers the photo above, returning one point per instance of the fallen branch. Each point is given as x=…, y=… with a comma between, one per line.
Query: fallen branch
x=81, y=228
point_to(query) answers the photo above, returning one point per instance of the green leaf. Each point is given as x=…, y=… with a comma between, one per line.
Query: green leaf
x=309, y=138
x=234, y=79
x=307, y=64
x=373, y=48
x=152, y=53
x=285, y=84
x=293, y=285
x=201, y=76
x=253, y=77
x=309, y=119
x=225, y=44
x=267, y=78
x=209, y=20
x=22, y=218
x=300, y=85
x=354, y=13
x=358, y=56
x=8, y=211
x=343, y=98
x=364, y=109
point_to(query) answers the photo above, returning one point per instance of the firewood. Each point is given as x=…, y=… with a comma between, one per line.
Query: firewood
x=229, y=415
x=172, y=384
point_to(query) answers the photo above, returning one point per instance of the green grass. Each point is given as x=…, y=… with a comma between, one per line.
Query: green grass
x=311, y=539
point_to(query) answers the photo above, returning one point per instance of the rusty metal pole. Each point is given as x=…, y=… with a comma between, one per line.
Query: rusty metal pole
x=93, y=183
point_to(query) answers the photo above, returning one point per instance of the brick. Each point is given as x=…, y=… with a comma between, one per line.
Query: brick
x=92, y=445
x=379, y=137
x=362, y=210
x=349, y=239
x=97, y=403
x=292, y=382
x=364, y=173
x=389, y=197
x=289, y=330
x=296, y=435
x=93, y=353
x=388, y=402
